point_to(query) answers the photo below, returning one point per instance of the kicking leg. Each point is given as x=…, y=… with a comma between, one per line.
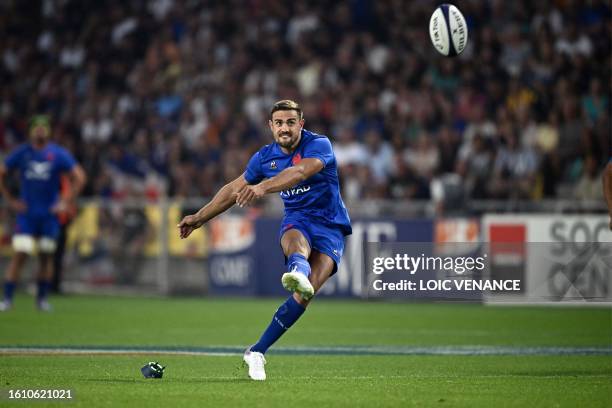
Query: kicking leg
x=286, y=315
x=297, y=250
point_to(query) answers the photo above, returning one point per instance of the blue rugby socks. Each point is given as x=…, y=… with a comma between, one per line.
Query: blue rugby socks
x=287, y=314
x=41, y=295
x=43, y=289
x=9, y=291
x=298, y=263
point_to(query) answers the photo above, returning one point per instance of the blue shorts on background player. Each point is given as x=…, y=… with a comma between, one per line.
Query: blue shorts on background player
x=40, y=165
x=301, y=167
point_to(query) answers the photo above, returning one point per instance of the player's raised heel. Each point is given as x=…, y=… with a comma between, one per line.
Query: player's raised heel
x=256, y=362
x=297, y=282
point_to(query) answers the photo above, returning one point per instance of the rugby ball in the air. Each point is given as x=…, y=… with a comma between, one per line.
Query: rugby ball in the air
x=448, y=30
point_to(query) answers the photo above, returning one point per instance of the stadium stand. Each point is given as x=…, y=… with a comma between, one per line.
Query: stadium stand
x=170, y=98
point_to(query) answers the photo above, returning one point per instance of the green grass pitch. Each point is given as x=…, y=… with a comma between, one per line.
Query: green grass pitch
x=309, y=378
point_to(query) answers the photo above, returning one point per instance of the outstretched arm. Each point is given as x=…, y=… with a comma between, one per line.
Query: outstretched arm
x=287, y=178
x=222, y=201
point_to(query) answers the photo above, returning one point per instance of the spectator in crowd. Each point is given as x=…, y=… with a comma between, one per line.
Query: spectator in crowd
x=514, y=169
x=589, y=184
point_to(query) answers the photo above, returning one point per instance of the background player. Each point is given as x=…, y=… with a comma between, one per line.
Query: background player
x=40, y=165
x=301, y=166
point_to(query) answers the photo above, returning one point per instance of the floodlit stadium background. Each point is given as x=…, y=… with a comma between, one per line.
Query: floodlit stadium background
x=164, y=101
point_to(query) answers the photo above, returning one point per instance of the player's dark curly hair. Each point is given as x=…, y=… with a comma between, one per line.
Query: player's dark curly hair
x=286, y=104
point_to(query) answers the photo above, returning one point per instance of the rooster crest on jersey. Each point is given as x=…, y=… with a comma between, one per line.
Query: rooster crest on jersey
x=296, y=159
x=448, y=30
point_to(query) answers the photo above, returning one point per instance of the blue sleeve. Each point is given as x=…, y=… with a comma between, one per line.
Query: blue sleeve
x=66, y=161
x=319, y=148
x=14, y=158
x=253, y=173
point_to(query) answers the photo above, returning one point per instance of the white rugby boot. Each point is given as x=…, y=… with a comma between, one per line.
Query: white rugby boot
x=43, y=305
x=5, y=306
x=294, y=281
x=256, y=362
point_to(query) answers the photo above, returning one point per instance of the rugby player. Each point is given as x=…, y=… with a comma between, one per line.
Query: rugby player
x=40, y=164
x=300, y=165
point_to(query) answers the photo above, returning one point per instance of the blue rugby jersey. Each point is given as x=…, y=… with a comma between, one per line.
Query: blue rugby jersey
x=39, y=172
x=318, y=197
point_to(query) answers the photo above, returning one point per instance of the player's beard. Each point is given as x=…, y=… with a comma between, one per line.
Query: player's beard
x=39, y=137
x=39, y=141
x=287, y=143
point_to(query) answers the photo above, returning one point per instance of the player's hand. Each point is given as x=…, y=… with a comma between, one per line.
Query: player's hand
x=60, y=207
x=18, y=205
x=188, y=224
x=248, y=194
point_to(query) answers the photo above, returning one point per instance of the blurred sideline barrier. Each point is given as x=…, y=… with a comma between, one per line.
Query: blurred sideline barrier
x=560, y=258
x=133, y=247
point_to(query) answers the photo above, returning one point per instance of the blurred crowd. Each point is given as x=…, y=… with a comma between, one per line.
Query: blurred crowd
x=170, y=98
